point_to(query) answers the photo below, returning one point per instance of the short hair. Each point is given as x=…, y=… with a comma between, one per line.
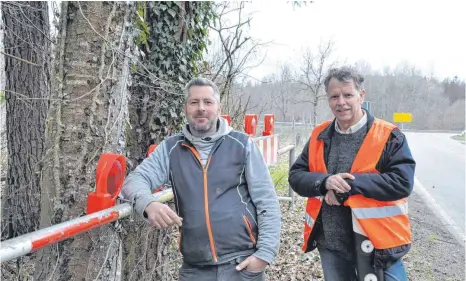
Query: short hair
x=345, y=74
x=200, y=81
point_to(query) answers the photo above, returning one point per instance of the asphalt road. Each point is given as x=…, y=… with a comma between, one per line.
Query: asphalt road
x=440, y=168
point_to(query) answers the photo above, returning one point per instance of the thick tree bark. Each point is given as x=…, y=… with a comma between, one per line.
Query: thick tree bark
x=86, y=119
x=27, y=50
x=27, y=87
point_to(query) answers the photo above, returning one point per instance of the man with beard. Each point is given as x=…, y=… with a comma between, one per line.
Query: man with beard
x=227, y=210
x=357, y=172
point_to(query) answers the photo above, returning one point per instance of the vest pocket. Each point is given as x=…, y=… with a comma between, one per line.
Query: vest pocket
x=249, y=228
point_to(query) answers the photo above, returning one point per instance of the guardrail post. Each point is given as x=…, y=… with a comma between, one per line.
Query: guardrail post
x=290, y=190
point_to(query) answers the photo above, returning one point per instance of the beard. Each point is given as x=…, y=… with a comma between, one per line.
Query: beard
x=201, y=129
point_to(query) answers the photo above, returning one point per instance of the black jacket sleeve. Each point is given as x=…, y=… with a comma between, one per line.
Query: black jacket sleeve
x=396, y=167
x=303, y=182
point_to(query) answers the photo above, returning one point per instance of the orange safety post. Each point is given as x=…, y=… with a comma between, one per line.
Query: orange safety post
x=250, y=124
x=269, y=124
x=110, y=175
x=228, y=118
x=151, y=149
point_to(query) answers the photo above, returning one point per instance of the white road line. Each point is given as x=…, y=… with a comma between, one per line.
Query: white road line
x=439, y=212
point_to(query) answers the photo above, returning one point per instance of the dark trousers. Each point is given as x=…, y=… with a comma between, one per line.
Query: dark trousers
x=338, y=269
x=223, y=272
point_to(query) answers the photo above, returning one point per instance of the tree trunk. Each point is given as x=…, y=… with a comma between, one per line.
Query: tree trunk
x=27, y=50
x=86, y=119
x=26, y=89
x=314, y=113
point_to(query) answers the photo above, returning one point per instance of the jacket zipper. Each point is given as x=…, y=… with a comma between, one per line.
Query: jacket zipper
x=249, y=227
x=206, y=201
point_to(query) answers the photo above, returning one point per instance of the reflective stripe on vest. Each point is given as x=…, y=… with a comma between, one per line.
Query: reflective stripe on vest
x=381, y=212
x=385, y=223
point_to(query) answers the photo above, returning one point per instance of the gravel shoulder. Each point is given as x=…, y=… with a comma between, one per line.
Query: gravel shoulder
x=435, y=253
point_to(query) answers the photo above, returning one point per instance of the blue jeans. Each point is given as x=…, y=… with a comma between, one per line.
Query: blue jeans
x=338, y=269
x=396, y=272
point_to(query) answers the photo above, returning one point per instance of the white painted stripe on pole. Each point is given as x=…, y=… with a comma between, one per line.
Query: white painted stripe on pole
x=269, y=151
x=276, y=149
x=260, y=143
x=21, y=248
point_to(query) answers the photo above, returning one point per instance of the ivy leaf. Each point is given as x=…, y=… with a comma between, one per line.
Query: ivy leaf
x=172, y=12
x=166, y=64
x=183, y=68
x=2, y=97
x=173, y=113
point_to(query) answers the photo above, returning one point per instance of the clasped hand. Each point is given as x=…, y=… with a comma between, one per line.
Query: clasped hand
x=336, y=183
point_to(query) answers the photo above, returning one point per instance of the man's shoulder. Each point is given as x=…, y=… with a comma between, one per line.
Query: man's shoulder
x=240, y=136
x=173, y=140
x=385, y=123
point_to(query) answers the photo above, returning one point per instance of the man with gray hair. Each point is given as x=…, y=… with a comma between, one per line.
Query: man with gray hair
x=227, y=210
x=357, y=172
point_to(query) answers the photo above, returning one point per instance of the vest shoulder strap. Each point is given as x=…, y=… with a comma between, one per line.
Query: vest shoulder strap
x=316, y=149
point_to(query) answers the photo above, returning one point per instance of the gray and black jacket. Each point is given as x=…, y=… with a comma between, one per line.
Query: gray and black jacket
x=223, y=192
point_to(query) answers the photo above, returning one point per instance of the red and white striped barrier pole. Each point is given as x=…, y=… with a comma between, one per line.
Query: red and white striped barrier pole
x=28, y=243
x=101, y=209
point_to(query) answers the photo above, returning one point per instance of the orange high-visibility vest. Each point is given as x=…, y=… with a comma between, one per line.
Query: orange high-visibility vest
x=385, y=223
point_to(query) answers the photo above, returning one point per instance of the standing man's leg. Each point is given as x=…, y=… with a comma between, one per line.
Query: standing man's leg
x=336, y=268
x=191, y=273
x=228, y=272
x=396, y=272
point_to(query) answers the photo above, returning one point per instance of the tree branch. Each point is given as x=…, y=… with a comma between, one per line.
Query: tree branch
x=20, y=59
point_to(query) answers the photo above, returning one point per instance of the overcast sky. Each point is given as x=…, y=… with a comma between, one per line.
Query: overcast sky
x=427, y=34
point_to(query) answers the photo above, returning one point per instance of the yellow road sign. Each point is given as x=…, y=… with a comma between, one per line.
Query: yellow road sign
x=402, y=117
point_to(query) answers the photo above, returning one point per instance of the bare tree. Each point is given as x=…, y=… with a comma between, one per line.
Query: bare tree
x=312, y=73
x=234, y=54
x=283, y=93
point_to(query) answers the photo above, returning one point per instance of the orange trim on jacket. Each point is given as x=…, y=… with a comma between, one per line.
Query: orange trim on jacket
x=206, y=200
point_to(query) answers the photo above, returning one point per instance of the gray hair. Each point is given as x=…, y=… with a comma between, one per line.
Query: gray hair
x=200, y=81
x=345, y=74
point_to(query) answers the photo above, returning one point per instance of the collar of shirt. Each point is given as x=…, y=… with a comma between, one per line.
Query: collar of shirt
x=355, y=127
